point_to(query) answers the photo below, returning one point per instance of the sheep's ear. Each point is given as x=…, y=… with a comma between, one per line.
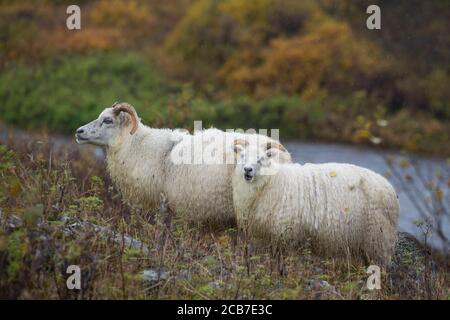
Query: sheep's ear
x=124, y=119
x=129, y=109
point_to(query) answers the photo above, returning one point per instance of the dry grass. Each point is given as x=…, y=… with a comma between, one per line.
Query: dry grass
x=46, y=190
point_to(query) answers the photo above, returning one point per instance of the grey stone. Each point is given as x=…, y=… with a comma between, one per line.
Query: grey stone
x=153, y=276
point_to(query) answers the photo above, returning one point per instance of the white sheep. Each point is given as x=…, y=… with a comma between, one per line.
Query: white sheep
x=144, y=162
x=341, y=208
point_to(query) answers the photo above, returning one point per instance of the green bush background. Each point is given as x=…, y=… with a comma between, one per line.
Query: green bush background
x=309, y=68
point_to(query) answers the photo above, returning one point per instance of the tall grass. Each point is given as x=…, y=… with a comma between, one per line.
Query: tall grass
x=56, y=203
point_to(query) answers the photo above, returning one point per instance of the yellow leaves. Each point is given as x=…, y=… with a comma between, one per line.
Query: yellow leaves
x=438, y=195
x=3, y=242
x=436, y=88
x=14, y=187
x=24, y=247
x=96, y=38
x=223, y=240
x=365, y=130
x=121, y=14
x=90, y=203
x=404, y=163
x=246, y=12
x=252, y=52
x=413, y=142
x=362, y=134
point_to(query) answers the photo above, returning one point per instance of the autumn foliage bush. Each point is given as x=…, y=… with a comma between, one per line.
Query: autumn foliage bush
x=269, y=47
x=303, y=65
x=329, y=58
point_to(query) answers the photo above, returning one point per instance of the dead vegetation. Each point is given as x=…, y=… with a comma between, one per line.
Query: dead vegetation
x=58, y=208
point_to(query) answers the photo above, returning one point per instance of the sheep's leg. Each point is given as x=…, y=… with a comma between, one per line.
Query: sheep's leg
x=165, y=211
x=279, y=250
x=380, y=239
x=164, y=226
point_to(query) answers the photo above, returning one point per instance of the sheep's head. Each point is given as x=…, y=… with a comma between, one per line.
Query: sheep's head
x=255, y=161
x=112, y=123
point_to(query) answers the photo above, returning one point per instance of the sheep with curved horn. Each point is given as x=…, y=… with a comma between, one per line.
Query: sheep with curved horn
x=140, y=161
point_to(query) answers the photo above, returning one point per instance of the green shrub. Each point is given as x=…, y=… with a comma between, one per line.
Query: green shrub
x=290, y=114
x=63, y=93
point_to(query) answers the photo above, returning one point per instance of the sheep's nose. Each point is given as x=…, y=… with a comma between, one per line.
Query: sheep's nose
x=248, y=169
x=79, y=131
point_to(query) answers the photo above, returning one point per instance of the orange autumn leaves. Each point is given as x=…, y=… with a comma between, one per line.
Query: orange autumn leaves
x=328, y=58
x=39, y=31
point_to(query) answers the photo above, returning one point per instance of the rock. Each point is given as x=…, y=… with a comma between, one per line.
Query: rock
x=361, y=285
x=73, y=226
x=411, y=267
x=323, y=290
x=218, y=284
x=153, y=276
x=9, y=222
x=318, y=284
x=215, y=284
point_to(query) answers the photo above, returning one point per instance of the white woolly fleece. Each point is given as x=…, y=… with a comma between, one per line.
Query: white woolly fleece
x=340, y=207
x=141, y=166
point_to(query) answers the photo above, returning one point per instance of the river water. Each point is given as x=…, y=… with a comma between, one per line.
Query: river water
x=412, y=194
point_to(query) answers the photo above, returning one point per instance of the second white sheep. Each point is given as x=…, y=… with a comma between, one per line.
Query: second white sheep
x=341, y=208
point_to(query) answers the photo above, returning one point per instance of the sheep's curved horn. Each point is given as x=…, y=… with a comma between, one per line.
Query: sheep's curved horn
x=125, y=107
x=274, y=145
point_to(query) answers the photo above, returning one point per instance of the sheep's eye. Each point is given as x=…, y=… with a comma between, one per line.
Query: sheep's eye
x=107, y=120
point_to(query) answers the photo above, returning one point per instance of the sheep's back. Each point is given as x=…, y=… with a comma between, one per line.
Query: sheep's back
x=334, y=203
x=202, y=191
